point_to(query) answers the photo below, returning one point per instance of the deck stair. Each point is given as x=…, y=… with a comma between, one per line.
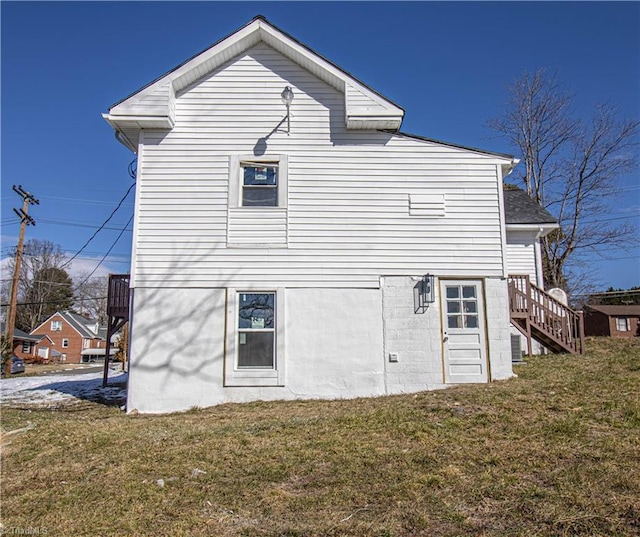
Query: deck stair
x=537, y=315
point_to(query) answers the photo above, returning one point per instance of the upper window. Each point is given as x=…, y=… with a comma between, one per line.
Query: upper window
x=258, y=181
x=259, y=184
x=56, y=326
x=622, y=324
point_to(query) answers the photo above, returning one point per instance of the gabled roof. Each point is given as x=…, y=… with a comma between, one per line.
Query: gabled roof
x=79, y=323
x=23, y=336
x=153, y=105
x=20, y=335
x=631, y=310
x=519, y=208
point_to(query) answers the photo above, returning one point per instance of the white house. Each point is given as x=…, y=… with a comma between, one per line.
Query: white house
x=304, y=249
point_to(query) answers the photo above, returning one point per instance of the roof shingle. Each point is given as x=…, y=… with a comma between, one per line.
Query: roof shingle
x=519, y=208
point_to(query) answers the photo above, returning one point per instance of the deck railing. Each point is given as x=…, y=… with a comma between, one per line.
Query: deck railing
x=118, y=296
x=556, y=325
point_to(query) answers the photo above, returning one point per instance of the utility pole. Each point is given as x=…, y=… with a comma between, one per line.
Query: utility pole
x=25, y=220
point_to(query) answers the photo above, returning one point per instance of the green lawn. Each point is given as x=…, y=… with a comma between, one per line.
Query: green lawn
x=554, y=452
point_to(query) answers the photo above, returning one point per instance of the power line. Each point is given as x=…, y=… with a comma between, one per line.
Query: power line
x=108, y=252
x=53, y=301
x=102, y=226
x=74, y=224
x=77, y=200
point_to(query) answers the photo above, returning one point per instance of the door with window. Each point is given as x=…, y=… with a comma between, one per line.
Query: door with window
x=464, y=331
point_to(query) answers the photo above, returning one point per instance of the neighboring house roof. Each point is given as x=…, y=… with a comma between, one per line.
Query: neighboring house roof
x=77, y=322
x=628, y=310
x=153, y=106
x=20, y=335
x=82, y=322
x=23, y=336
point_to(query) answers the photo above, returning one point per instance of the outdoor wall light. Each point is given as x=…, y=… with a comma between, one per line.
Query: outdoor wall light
x=424, y=293
x=287, y=98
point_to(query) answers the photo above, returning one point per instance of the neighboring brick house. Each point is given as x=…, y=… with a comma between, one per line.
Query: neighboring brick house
x=24, y=345
x=614, y=321
x=71, y=338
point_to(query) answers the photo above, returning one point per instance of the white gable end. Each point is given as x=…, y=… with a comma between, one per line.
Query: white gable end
x=365, y=111
x=153, y=107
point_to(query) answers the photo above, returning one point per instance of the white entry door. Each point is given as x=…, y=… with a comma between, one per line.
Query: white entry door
x=465, y=348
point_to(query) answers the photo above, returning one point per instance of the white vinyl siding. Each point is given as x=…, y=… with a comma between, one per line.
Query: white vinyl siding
x=159, y=101
x=356, y=100
x=257, y=227
x=347, y=219
x=521, y=254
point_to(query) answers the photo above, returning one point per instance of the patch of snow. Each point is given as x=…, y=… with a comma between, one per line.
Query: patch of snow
x=54, y=390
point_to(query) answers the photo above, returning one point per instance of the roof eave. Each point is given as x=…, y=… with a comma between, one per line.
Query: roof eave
x=542, y=229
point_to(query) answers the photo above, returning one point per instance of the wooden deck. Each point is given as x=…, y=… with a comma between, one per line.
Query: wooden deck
x=118, y=304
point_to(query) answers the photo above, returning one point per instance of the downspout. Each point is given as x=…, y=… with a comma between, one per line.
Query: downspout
x=503, y=171
x=538, y=260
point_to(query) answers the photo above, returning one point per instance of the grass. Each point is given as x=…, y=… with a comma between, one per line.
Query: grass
x=554, y=452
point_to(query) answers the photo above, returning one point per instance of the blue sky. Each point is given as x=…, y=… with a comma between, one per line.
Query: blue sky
x=447, y=64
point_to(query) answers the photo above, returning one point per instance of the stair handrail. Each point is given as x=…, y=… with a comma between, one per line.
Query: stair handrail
x=553, y=318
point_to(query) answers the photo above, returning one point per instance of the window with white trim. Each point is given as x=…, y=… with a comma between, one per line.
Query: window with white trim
x=26, y=347
x=259, y=184
x=258, y=181
x=256, y=331
x=623, y=324
x=65, y=342
x=255, y=338
x=86, y=343
x=56, y=326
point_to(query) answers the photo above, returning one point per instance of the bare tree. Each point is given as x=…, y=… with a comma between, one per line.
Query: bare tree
x=571, y=167
x=91, y=296
x=43, y=285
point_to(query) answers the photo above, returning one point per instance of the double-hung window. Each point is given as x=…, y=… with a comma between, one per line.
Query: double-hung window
x=258, y=181
x=256, y=330
x=56, y=326
x=65, y=343
x=258, y=197
x=622, y=324
x=255, y=338
x=259, y=184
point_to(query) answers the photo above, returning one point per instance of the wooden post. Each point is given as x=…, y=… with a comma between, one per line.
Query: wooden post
x=25, y=220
